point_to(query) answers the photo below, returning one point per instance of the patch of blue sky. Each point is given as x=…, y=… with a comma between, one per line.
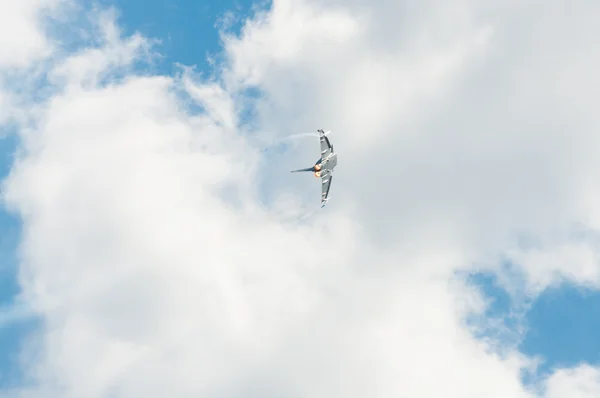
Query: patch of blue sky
x=188, y=30
x=564, y=327
x=502, y=320
x=12, y=330
x=9, y=227
x=188, y=35
x=560, y=327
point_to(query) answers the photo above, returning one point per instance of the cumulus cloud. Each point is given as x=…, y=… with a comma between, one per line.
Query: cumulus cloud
x=23, y=40
x=470, y=135
x=158, y=269
x=22, y=43
x=581, y=382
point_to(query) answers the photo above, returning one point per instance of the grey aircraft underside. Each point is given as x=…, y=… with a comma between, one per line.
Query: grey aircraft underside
x=323, y=168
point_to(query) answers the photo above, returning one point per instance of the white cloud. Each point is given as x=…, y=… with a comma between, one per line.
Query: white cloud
x=23, y=40
x=463, y=134
x=551, y=265
x=581, y=382
x=158, y=272
x=91, y=66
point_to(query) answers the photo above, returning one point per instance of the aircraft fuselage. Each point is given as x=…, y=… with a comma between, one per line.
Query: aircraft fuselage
x=324, y=166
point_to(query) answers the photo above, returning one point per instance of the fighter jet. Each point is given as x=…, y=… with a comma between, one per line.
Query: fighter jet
x=324, y=166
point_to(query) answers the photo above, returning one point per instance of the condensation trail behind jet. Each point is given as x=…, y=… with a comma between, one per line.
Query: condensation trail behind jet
x=292, y=137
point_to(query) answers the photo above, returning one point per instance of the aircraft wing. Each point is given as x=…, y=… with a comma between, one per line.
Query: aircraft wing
x=325, y=185
x=326, y=147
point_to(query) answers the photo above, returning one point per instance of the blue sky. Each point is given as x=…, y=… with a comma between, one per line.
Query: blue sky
x=563, y=323
x=186, y=29
x=11, y=333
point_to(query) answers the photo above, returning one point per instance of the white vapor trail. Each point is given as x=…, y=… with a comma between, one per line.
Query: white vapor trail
x=291, y=137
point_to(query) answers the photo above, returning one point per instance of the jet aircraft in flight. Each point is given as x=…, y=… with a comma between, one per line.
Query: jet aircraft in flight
x=323, y=168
